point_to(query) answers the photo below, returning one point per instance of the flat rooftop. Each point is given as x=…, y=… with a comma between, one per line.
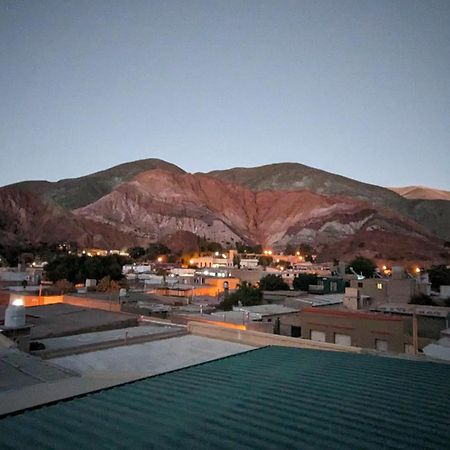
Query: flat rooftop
x=18, y=369
x=267, y=310
x=62, y=319
x=150, y=358
x=83, y=343
x=274, y=397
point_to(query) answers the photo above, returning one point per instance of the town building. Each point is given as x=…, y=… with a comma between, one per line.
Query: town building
x=353, y=328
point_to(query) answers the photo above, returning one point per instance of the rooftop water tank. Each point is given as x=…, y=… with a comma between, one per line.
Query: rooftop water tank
x=15, y=315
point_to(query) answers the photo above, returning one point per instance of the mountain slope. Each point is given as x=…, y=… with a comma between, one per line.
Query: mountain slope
x=157, y=204
x=272, y=205
x=77, y=192
x=293, y=176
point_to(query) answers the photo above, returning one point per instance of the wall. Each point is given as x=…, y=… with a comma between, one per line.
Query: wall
x=363, y=328
x=393, y=291
x=258, y=339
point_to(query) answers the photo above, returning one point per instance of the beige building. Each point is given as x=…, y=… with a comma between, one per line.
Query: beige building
x=378, y=331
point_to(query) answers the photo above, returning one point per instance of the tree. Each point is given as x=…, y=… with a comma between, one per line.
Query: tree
x=154, y=250
x=273, y=282
x=236, y=261
x=289, y=250
x=303, y=280
x=242, y=248
x=107, y=285
x=64, y=286
x=136, y=252
x=439, y=275
x=77, y=269
x=265, y=261
x=283, y=264
x=246, y=294
x=364, y=266
x=422, y=299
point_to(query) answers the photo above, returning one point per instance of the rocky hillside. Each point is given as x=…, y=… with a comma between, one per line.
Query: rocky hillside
x=292, y=176
x=275, y=205
x=77, y=192
x=158, y=203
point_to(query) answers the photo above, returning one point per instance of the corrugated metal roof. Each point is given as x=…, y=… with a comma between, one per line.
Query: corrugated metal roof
x=275, y=397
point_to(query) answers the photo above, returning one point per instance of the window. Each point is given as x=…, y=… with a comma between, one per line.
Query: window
x=333, y=286
x=360, y=285
x=379, y=286
x=318, y=336
x=381, y=345
x=342, y=339
x=409, y=349
x=296, y=331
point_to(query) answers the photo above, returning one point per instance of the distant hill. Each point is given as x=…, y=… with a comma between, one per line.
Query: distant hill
x=275, y=205
x=421, y=193
x=74, y=193
x=293, y=176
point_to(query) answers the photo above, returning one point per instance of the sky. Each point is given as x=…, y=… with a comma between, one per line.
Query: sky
x=360, y=88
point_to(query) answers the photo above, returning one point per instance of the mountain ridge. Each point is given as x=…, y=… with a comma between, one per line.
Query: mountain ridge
x=280, y=204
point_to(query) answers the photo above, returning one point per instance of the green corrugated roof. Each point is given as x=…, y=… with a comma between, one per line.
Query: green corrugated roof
x=274, y=397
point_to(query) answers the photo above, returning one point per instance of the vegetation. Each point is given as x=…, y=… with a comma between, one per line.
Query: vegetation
x=422, y=299
x=64, y=286
x=76, y=269
x=107, y=285
x=364, y=266
x=283, y=264
x=265, y=261
x=246, y=295
x=273, y=282
x=27, y=252
x=206, y=246
x=136, y=252
x=303, y=280
x=152, y=252
x=241, y=248
x=439, y=276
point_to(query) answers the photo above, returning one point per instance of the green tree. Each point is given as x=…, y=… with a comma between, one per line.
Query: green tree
x=273, y=282
x=246, y=294
x=363, y=265
x=265, y=261
x=76, y=268
x=303, y=280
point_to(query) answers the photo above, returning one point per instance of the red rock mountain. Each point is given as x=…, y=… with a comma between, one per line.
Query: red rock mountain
x=144, y=205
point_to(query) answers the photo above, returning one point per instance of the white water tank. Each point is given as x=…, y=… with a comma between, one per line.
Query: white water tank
x=15, y=314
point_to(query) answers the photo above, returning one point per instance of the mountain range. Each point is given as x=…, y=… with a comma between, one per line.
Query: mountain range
x=274, y=205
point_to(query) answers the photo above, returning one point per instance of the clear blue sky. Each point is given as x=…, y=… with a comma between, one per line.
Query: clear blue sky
x=360, y=88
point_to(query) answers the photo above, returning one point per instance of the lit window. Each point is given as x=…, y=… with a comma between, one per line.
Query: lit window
x=380, y=286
